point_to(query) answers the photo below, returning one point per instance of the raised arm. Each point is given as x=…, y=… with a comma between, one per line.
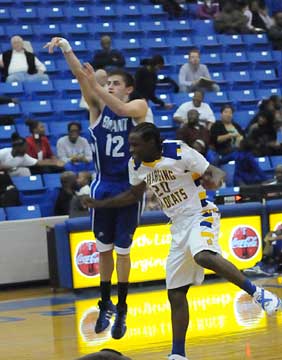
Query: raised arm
x=129, y=197
x=94, y=103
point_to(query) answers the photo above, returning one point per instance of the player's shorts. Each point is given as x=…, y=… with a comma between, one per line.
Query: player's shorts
x=113, y=227
x=190, y=235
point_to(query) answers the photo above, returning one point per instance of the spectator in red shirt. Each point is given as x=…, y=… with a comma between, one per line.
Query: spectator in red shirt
x=38, y=146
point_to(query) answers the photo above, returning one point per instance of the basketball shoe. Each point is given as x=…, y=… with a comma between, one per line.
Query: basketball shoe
x=176, y=357
x=267, y=300
x=119, y=325
x=107, y=310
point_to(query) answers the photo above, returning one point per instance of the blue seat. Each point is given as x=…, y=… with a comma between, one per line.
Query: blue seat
x=132, y=62
x=156, y=44
x=41, y=52
x=129, y=11
x=23, y=212
x=52, y=181
x=261, y=59
x=40, y=89
x=180, y=98
x=213, y=61
x=29, y=14
x=217, y=99
x=276, y=160
x=164, y=121
x=31, y=189
x=153, y=11
x=6, y=131
x=181, y=27
x=227, y=191
x=92, y=45
x=59, y=128
x=36, y=107
x=181, y=44
x=51, y=67
x=219, y=78
x=75, y=30
x=256, y=41
x=207, y=43
x=266, y=78
x=178, y=60
x=244, y=98
x=47, y=30
x=10, y=109
x=2, y=214
x=266, y=93
x=54, y=13
x=153, y=27
x=101, y=28
x=79, y=12
x=13, y=89
x=25, y=30
x=79, y=47
x=236, y=61
x=128, y=45
x=103, y=12
x=265, y=163
x=231, y=42
x=5, y=15
x=243, y=117
x=67, y=87
x=129, y=28
x=203, y=27
x=69, y=107
x=240, y=79
x=229, y=170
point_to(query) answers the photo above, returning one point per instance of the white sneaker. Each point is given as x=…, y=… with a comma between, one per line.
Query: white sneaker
x=176, y=357
x=267, y=300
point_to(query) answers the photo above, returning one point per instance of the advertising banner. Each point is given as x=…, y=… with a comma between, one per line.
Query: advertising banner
x=275, y=222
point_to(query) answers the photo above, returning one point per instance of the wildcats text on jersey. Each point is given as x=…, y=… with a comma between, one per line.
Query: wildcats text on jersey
x=117, y=125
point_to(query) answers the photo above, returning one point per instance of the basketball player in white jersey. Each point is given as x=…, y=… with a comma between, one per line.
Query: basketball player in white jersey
x=177, y=175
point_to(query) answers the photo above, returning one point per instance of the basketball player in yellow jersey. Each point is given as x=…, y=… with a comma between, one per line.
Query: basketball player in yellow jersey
x=176, y=174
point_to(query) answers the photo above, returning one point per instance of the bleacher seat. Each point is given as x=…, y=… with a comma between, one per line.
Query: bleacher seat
x=68, y=87
x=5, y=15
x=78, y=13
x=10, y=109
x=266, y=78
x=180, y=98
x=181, y=44
x=153, y=27
x=51, y=67
x=229, y=170
x=13, y=89
x=103, y=28
x=2, y=215
x=130, y=45
x=231, y=42
x=28, y=14
x=103, y=12
x=256, y=41
x=76, y=30
x=52, y=181
x=230, y=190
x=129, y=11
x=58, y=129
x=244, y=99
x=217, y=99
x=266, y=93
x=5, y=133
x=40, y=89
x=153, y=11
x=243, y=117
x=31, y=189
x=265, y=163
x=203, y=27
x=163, y=121
x=208, y=43
x=261, y=59
x=220, y=79
x=132, y=63
x=47, y=30
x=129, y=28
x=236, y=61
x=35, y=108
x=275, y=161
x=54, y=13
x=24, y=30
x=181, y=27
x=240, y=79
x=213, y=61
x=155, y=44
x=23, y=212
x=69, y=108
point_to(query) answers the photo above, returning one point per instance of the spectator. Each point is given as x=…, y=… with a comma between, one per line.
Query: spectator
x=225, y=133
x=9, y=195
x=275, y=32
x=38, y=146
x=172, y=7
x=16, y=162
x=105, y=354
x=146, y=80
x=262, y=134
x=231, y=20
x=107, y=58
x=247, y=170
x=67, y=191
x=195, y=76
x=208, y=9
x=191, y=130
x=83, y=182
x=21, y=65
x=206, y=115
x=260, y=19
x=73, y=149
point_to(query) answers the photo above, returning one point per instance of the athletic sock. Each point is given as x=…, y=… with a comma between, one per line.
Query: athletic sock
x=249, y=287
x=105, y=287
x=122, y=294
x=178, y=347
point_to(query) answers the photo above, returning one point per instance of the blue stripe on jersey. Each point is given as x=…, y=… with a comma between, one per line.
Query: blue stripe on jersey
x=206, y=223
x=110, y=139
x=170, y=150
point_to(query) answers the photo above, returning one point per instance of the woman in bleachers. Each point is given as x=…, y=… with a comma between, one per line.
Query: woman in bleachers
x=225, y=133
x=16, y=162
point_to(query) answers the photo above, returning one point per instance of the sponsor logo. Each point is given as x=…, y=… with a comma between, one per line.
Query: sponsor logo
x=244, y=242
x=87, y=258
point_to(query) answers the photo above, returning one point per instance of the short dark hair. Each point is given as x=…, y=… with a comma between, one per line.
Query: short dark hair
x=74, y=123
x=17, y=140
x=127, y=78
x=149, y=131
x=32, y=124
x=226, y=106
x=157, y=60
x=194, y=50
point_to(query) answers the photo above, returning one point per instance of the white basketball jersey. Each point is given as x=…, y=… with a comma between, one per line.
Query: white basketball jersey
x=174, y=179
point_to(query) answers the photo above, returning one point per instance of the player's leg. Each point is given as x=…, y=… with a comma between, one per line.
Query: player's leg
x=126, y=223
x=207, y=254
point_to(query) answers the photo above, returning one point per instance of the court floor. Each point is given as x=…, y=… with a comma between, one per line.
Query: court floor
x=225, y=324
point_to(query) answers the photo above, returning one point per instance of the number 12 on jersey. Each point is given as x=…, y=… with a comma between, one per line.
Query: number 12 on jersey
x=114, y=145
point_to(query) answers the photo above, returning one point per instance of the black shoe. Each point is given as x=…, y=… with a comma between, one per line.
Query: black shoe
x=107, y=310
x=119, y=326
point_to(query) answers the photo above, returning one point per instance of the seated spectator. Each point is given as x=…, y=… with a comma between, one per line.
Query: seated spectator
x=231, y=20
x=74, y=150
x=172, y=7
x=247, y=170
x=195, y=76
x=146, y=80
x=208, y=9
x=105, y=354
x=206, y=115
x=38, y=147
x=21, y=65
x=262, y=134
x=260, y=19
x=9, y=195
x=191, y=130
x=16, y=162
x=275, y=32
x=107, y=58
x=226, y=134
x=67, y=191
x=83, y=182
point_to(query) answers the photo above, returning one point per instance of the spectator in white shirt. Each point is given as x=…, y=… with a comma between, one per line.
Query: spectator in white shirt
x=206, y=115
x=21, y=65
x=16, y=162
x=195, y=76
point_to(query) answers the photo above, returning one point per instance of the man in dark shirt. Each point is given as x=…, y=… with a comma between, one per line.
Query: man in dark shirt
x=146, y=80
x=107, y=58
x=275, y=32
x=68, y=181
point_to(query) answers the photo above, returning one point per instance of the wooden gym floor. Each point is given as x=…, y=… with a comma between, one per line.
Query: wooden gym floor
x=225, y=324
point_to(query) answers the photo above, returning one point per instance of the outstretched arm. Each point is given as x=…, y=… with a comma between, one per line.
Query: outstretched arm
x=129, y=197
x=135, y=108
x=95, y=104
